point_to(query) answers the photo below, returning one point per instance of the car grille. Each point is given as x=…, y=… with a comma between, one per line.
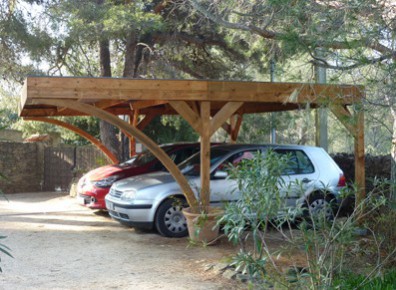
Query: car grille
x=115, y=193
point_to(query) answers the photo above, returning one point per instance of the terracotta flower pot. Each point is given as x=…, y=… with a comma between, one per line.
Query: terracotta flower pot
x=202, y=226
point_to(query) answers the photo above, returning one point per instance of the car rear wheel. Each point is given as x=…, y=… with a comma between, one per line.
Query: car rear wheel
x=169, y=220
x=319, y=206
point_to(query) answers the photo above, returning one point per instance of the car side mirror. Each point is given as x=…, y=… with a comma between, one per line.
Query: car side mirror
x=220, y=174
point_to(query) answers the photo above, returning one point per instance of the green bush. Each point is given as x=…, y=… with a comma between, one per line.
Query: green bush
x=361, y=282
x=330, y=247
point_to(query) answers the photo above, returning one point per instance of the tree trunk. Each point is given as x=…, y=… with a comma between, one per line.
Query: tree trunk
x=108, y=133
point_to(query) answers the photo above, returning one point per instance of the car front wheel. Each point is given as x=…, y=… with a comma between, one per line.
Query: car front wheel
x=169, y=220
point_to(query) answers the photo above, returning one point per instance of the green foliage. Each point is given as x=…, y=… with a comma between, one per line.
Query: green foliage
x=352, y=281
x=331, y=246
x=169, y=130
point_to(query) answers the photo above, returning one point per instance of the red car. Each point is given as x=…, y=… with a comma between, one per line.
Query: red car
x=93, y=186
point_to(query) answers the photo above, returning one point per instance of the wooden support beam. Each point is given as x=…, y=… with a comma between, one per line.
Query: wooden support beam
x=360, y=178
x=78, y=131
x=133, y=120
x=104, y=104
x=236, y=122
x=355, y=125
x=345, y=117
x=138, y=105
x=150, y=144
x=205, y=153
x=221, y=116
x=146, y=120
x=226, y=127
x=194, y=106
x=188, y=114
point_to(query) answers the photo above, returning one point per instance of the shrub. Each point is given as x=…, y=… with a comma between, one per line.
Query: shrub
x=329, y=246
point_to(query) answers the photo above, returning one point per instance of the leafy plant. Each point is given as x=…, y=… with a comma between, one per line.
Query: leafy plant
x=329, y=246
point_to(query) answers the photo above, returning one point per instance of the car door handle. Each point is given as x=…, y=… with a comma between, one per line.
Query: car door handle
x=306, y=180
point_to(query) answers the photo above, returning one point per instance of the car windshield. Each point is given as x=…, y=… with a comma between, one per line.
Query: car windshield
x=192, y=166
x=142, y=158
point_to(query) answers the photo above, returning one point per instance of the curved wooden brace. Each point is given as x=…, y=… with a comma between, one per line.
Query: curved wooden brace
x=150, y=144
x=78, y=131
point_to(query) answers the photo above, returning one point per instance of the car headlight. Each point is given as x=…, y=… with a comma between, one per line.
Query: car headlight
x=106, y=182
x=128, y=195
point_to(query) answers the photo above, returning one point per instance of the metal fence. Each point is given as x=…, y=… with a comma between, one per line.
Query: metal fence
x=63, y=165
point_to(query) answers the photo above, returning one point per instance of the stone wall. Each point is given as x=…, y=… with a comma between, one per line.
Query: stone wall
x=26, y=166
x=22, y=165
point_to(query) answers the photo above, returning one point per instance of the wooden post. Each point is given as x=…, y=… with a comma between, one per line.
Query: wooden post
x=133, y=120
x=360, y=178
x=205, y=153
x=355, y=126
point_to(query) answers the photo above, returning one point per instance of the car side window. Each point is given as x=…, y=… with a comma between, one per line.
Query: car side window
x=299, y=162
x=183, y=154
x=235, y=159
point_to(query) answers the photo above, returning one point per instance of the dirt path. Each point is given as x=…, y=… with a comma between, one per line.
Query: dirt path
x=58, y=244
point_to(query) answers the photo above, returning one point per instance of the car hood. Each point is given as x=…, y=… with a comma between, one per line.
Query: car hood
x=103, y=172
x=144, y=181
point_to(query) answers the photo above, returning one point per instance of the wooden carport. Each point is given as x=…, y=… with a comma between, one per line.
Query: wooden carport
x=205, y=105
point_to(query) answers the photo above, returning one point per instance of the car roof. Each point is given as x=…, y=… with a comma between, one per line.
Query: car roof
x=233, y=147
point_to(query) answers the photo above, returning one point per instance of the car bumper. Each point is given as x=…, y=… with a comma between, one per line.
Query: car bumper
x=135, y=215
x=93, y=198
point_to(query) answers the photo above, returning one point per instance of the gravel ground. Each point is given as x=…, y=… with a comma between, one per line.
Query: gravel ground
x=58, y=244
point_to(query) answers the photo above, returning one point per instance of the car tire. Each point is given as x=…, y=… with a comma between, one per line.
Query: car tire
x=317, y=203
x=169, y=219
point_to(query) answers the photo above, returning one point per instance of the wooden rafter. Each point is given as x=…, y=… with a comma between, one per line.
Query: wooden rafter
x=225, y=113
x=78, y=131
x=345, y=117
x=235, y=123
x=150, y=144
x=146, y=104
x=188, y=114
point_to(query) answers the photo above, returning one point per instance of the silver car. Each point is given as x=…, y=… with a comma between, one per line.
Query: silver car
x=155, y=199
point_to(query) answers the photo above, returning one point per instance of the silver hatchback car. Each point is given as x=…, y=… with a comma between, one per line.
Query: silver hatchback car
x=155, y=199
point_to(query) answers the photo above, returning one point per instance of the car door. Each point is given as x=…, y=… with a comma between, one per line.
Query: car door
x=223, y=189
x=299, y=177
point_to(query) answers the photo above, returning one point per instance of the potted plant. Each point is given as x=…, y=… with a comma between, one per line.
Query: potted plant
x=202, y=226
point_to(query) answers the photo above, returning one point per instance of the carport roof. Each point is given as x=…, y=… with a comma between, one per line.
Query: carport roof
x=205, y=105
x=121, y=96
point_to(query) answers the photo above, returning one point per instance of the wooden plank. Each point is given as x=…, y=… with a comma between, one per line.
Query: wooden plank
x=146, y=141
x=225, y=113
x=188, y=114
x=133, y=121
x=138, y=105
x=78, y=131
x=205, y=153
x=126, y=89
x=103, y=104
x=146, y=120
x=345, y=117
x=226, y=127
x=360, y=159
x=236, y=122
